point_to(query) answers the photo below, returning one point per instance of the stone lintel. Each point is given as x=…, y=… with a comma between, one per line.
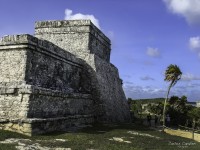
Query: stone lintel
x=37, y=120
x=31, y=89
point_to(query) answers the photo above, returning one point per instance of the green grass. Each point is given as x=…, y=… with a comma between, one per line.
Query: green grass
x=97, y=137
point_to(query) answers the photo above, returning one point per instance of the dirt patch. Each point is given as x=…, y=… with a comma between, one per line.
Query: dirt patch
x=183, y=133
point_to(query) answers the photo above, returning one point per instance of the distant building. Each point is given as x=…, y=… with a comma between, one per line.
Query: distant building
x=145, y=107
x=198, y=104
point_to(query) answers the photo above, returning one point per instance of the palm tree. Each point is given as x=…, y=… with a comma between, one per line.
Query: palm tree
x=172, y=75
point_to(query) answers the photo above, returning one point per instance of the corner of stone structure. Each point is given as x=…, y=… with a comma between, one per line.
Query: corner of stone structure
x=16, y=125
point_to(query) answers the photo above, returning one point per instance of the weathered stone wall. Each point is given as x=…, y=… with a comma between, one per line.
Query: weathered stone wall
x=13, y=105
x=40, y=63
x=52, y=104
x=49, y=72
x=41, y=82
x=33, y=110
x=40, y=126
x=84, y=40
x=111, y=93
x=12, y=59
x=34, y=102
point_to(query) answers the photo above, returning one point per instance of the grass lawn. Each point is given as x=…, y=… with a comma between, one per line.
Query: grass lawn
x=100, y=137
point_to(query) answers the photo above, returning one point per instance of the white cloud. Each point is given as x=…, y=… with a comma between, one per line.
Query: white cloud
x=194, y=43
x=70, y=16
x=153, y=52
x=189, y=9
x=189, y=77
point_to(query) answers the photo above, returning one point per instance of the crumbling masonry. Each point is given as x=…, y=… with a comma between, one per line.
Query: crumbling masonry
x=59, y=78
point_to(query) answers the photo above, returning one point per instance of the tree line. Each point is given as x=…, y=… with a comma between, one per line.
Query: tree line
x=176, y=107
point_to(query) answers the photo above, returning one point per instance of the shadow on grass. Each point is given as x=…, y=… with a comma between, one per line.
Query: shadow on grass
x=103, y=136
x=102, y=128
x=8, y=134
x=99, y=128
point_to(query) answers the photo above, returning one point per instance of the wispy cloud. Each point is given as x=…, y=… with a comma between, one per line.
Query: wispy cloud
x=189, y=77
x=153, y=52
x=193, y=85
x=128, y=83
x=189, y=9
x=140, y=92
x=146, y=78
x=191, y=90
x=70, y=16
x=194, y=43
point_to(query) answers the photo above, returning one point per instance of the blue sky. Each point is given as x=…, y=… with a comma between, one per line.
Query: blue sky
x=146, y=35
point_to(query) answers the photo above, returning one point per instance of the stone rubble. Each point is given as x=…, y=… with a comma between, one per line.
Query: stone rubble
x=26, y=144
x=142, y=134
x=119, y=139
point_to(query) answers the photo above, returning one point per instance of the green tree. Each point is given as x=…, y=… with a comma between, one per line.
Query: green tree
x=160, y=108
x=156, y=108
x=194, y=114
x=172, y=75
x=173, y=100
x=178, y=110
x=183, y=101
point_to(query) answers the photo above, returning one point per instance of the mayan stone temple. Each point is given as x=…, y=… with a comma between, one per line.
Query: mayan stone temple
x=59, y=78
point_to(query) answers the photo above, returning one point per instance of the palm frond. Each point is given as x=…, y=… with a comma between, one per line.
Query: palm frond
x=173, y=74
